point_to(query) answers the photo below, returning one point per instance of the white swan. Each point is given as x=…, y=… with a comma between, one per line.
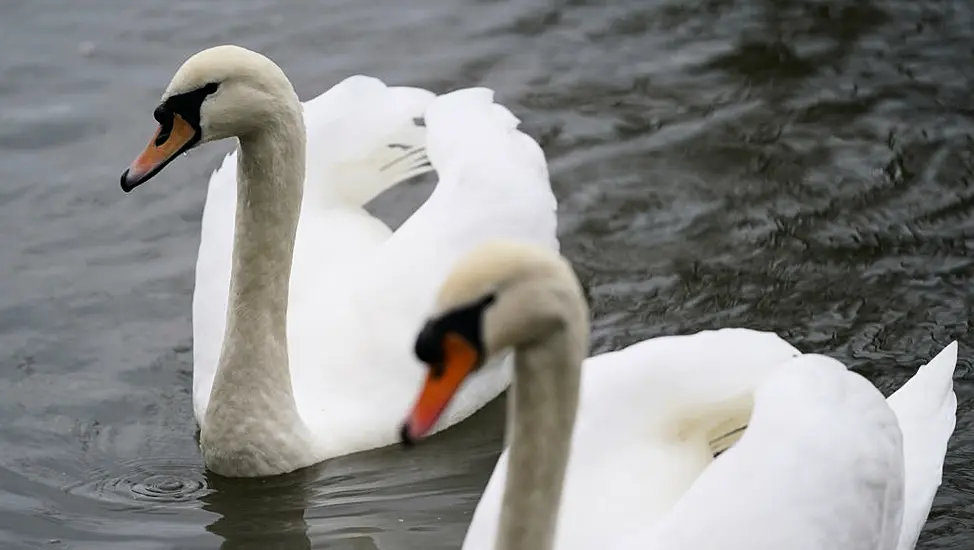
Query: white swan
x=305, y=304
x=822, y=464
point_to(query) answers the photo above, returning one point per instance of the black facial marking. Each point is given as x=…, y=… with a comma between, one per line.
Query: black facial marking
x=187, y=105
x=465, y=321
x=161, y=114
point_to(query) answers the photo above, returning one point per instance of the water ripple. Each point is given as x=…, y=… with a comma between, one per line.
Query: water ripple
x=159, y=480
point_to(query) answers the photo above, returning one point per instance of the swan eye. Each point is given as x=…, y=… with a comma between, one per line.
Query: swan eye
x=428, y=348
x=210, y=88
x=465, y=322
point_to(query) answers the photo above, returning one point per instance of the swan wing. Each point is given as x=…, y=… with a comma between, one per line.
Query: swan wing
x=493, y=183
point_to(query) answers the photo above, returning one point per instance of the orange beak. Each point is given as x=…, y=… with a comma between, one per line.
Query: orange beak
x=161, y=150
x=460, y=358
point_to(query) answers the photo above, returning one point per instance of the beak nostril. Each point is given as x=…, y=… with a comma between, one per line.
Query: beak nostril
x=437, y=370
x=164, y=131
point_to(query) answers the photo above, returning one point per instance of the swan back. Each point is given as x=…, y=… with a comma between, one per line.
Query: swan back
x=647, y=418
x=820, y=467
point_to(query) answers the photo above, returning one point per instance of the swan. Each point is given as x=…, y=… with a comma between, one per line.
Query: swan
x=304, y=304
x=617, y=452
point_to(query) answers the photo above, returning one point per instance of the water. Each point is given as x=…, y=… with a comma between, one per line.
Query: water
x=798, y=166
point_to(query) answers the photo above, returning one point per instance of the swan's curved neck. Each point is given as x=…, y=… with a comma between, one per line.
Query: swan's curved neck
x=252, y=391
x=541, y=416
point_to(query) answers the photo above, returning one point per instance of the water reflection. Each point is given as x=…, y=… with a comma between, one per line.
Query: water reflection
x=390, y=498
x=258, y=514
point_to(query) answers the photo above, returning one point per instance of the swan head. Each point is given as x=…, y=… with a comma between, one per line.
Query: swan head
x=220, y=92
x=503, y=295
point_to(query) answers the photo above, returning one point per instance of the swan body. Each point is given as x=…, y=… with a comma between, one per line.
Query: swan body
x=618, y=450
x=305, y=304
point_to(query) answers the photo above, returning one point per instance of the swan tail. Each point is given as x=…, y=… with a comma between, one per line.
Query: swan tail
x=467, y=131
x=926, y=409
x=365, y=137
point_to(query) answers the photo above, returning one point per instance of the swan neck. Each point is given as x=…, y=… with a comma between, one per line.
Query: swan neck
x=270, y=185
x=253, y=376
x=541, y=417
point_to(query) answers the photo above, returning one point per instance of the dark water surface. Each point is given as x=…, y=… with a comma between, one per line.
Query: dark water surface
x=797, y=166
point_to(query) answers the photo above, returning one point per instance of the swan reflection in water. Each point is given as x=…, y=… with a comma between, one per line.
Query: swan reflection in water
x=261, y=513
x=388, y=499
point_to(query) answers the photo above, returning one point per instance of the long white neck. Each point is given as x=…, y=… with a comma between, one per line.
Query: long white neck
x=251, y=424
x=541, y=417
